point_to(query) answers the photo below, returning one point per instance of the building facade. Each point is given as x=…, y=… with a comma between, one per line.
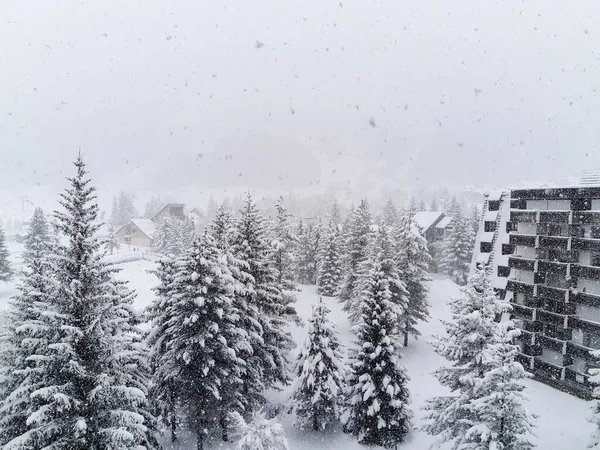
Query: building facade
x=542, y=248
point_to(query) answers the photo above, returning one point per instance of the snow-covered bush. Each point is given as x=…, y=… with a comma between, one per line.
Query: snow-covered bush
x=260, y=434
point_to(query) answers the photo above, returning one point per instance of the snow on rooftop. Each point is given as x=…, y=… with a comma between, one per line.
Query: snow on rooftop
x=425, y=219
x=444, y=222
x=495, y=195
x=490, y=216
x=146, y=225
x=487, y=236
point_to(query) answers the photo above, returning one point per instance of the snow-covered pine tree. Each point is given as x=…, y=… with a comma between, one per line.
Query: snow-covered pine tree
x=222, y=227
x=595, y=417
x=469, y=332
x=306, y=252
x=250, y=244
x=500, y=420
x=283, y=243
x=6, y=272
x=111, y=243
x=197, y=339
x=475, y=219
x=457, y=250
x=434, y=204
x=25, y=336
x=89, y=388
x=319, y=370
x=422, y=206
x=390, y=215
x=260, y=434
x=412, y=259
x=358, y=235
x=377, y=397
x=335, y=216
x=330, y=272
x=160, y=240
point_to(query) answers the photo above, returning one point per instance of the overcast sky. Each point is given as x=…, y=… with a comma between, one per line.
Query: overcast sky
x=290, y=93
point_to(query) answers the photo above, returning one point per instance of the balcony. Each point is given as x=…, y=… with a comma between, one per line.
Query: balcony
x=534, y=302
x=580, y=378
x=522, y=311
x=533, y=327
x=552, y=293
x=553, y=242
x=526, y=361
x=532, y=349
x=548, y=342
x=517, y=262
x=560, y=307
x=579, y=351
x=586, y=217
x=525, y=240
x=585, y=244
x=523, y=216
x=576, y=322
x=552, y=267
x=547, y=370
x=550, y=318
x=586, y=299
x=520, y=286
x=559, y=333
x=580, y=271
x=554, y=216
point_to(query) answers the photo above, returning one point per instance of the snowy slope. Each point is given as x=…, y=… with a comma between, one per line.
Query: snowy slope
x=562, y=422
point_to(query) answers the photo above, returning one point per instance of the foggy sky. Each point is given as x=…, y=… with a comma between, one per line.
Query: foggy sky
x=298, y=92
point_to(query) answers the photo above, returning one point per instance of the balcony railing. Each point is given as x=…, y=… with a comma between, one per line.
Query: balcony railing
x=533, y=327
x=580, y=271
x=579, y=351
x=584, y=298
x=586, y=217
x=517, y=262
x=532, y=349
x=547, y=370
x=526, y=361
x=576, y=322
x=520, y=286
x=553, y=293
x=554, y=242
x=522, y=311
x=554, y=216
x=551, y=318
x=552, y=267
x=525, y=240
x=523, y=216
x=548, y=342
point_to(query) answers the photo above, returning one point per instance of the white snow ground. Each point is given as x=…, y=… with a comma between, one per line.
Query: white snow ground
x=561, y=425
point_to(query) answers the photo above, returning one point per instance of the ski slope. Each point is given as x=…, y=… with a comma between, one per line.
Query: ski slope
x=562, y=419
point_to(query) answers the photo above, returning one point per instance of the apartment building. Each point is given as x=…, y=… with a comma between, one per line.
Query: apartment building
x=542, y=247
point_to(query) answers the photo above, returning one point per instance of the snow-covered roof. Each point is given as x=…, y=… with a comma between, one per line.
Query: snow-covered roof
x=483, y=258
x=444, y=222
x=495, y=195
x=490, y=216
x=487, y=236
x=146, y=226
x=425, y=219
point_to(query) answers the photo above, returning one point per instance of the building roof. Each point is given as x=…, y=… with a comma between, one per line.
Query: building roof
x=181, y=205
x=197, y=211
x=146, y=226
x=427, y=219
x=444, y=222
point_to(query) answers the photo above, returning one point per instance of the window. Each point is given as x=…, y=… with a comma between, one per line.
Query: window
x=508, y=249
x=581, y=204
x=494, y=205
x=485, y=247
x=510, y=226
x=503, y=271
x=595, y=233
x=591, y=340
x=489, y=226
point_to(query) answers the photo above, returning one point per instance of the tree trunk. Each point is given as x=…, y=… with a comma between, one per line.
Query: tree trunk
x=316, y=426
x=224, y=435
x=199, y=440
x=173, y=427
x=406, y=339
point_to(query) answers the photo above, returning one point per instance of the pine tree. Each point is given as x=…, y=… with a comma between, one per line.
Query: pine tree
x=412, y=259
x=283, y=243
x=306, y=252
x=470, y=332
x=335, y=216
x=475, y=219
x=422, y=206
x=434, y=204
x=500, y=420
x=330, y=268
x=358, y=235
x=153, y=206
x=197, y=339
x=222, y=227
x=250, y=244
x=160, y=240
x=88, y=391
x=111, y=243
x=377, y=396
x=25, y=333
x=6, y=272
x=260, y=434
x=457, y=250
x=319, y=372
x=390, y=215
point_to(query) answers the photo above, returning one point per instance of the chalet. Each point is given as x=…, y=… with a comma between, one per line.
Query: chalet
x=434, y=225
x=141, y=231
